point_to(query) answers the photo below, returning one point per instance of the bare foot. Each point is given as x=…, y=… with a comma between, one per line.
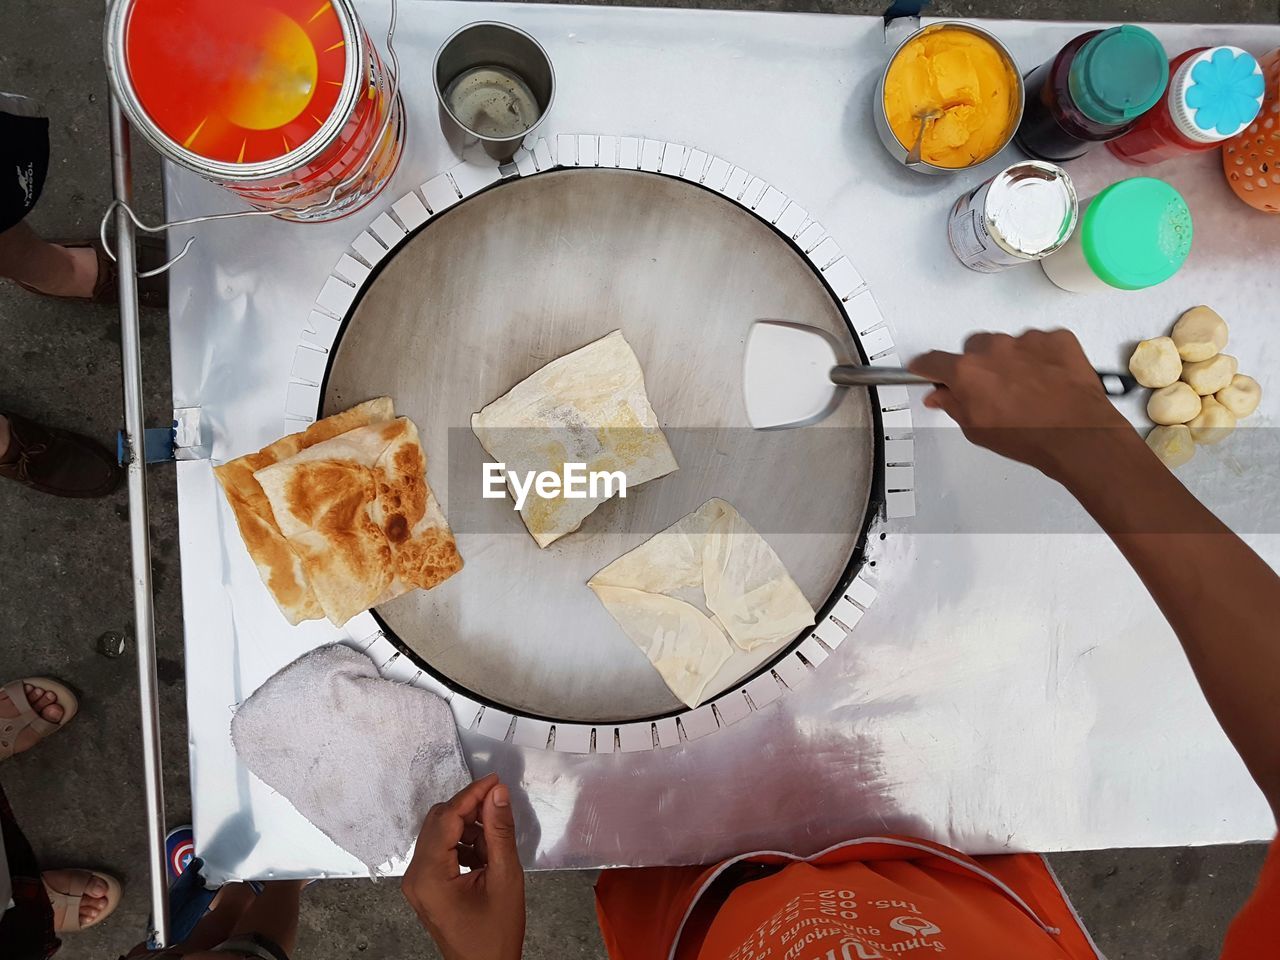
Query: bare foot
x=76, y=273
x=43, y=702
x=47, y=267
x=62, y=271
x=92, y=904
x=84, y=275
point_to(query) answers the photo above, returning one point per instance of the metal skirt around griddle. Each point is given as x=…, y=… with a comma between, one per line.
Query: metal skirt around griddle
x=526, y=271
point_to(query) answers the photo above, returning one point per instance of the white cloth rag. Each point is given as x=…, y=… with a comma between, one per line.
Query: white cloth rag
x=361, y=757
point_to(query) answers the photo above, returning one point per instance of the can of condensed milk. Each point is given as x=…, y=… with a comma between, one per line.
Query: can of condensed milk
x=1024, y=213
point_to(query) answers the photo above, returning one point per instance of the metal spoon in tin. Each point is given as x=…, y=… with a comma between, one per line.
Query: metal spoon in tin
x=924, y=116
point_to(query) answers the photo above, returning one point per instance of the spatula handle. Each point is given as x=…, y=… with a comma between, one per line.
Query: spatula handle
x=1115, y=384
x=848, y=376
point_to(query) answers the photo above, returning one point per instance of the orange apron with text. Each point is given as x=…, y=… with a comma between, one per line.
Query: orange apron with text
x=878, y=897
x=1253, y=932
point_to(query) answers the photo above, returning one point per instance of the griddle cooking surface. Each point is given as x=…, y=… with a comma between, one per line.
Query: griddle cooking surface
x=510, y=279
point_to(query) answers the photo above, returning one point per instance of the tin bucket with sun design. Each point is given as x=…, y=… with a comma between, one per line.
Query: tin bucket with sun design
x=284, y=102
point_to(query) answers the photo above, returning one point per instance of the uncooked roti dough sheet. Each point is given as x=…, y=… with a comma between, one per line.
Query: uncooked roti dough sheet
x=691, y=593
x=587, y=407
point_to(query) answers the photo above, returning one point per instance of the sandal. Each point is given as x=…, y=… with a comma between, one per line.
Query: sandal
x=152, y=291
x=28, y=719
x=66, y=904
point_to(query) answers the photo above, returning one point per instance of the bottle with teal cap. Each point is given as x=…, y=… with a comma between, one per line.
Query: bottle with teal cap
x=1093, y=91
x=1134, y=234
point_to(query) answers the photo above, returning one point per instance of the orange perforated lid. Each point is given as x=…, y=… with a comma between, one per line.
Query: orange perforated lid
x=238, y=81
x=1251, y=160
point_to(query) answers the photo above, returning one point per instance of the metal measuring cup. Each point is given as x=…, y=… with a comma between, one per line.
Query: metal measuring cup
x=511, y=77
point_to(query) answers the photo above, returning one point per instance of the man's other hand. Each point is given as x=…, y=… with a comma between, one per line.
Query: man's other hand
x=477, y=915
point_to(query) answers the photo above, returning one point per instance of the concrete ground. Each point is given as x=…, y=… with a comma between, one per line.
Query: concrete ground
x=65, y=574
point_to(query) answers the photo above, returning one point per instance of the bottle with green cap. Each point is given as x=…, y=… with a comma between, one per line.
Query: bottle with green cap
x=1093, y=91
x=1134, y=234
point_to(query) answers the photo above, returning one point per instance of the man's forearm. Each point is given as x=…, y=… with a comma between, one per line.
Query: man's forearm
x=1219, y=596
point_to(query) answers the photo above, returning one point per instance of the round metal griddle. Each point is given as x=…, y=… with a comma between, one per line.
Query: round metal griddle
x=531, y=269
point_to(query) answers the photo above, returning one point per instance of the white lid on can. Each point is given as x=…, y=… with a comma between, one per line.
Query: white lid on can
x=1216, y=94
x=1031, y=208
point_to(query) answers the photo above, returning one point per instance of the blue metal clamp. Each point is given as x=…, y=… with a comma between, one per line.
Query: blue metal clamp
x=157, y=444
x=905, y=8
x=183, y=439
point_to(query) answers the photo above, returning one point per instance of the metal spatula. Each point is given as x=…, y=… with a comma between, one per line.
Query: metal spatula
x=793, y=375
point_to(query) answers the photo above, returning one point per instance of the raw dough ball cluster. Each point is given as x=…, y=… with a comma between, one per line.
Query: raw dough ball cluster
x=1212, y=423
x=1199, y=334
x=1241, y=396
x=1197, y=395
x=1173, y=444
x=1176, y=403
x=1156, y=363
x=1209, y=376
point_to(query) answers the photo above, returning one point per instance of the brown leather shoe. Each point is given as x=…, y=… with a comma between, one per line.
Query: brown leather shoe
x=152, y=291
x=58, y=462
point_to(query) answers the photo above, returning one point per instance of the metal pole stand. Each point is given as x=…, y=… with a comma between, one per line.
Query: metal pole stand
x=133, y=449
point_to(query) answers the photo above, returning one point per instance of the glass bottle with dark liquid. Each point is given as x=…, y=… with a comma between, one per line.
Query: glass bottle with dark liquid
x=1091, y=92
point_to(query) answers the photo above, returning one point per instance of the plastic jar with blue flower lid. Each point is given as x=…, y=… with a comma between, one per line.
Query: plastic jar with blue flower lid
x=1213, y=94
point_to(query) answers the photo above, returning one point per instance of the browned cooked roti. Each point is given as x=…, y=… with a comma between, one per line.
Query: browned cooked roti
x=422, y=544
x=278, y=564
x=358, y=513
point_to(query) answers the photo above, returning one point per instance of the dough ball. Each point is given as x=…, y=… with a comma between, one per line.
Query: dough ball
x=1172, y=444
x=1241, y=396
x=1199, y=334
x=1212, y=423
x=1156, y=363
x=1176, y=403
x=1209, y=376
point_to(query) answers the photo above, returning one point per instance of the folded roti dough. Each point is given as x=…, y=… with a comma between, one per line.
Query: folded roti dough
x=589, y=407
x=357, y=511
x=279, y=566
x=710, y=558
